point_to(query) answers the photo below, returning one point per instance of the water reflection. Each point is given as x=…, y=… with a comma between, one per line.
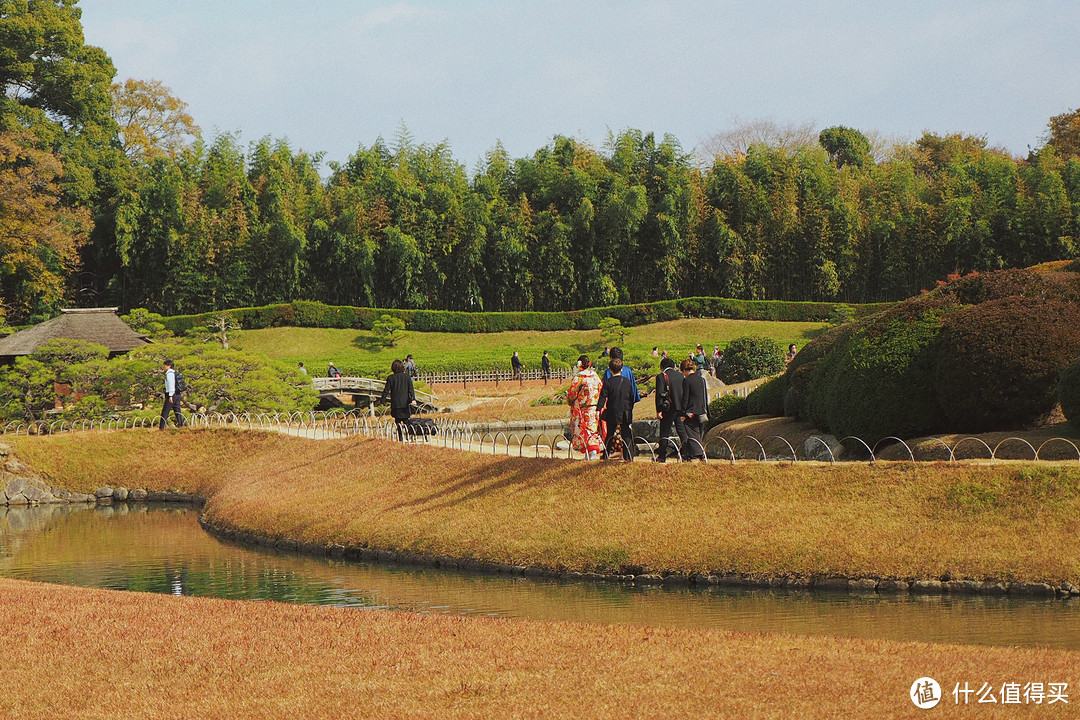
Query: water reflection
x=162, y=549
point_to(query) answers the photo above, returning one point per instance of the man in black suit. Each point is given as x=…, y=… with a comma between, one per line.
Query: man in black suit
x=616, y=406
x=695, y=405
x=669, y=405
x=399, y=389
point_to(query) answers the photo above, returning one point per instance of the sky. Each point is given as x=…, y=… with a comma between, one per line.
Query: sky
x=333, y=75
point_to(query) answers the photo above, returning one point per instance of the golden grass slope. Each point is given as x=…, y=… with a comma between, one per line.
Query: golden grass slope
x=1011, y=522
x=89, y=654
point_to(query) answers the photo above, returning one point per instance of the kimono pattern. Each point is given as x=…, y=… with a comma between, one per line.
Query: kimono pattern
x=582, y=397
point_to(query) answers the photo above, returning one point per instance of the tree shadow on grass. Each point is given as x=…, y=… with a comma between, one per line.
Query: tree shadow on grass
x=491, y=477
x=370, y=343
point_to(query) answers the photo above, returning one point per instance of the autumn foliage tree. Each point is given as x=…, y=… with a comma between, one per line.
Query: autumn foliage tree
x=151, y=120
x=39, y=235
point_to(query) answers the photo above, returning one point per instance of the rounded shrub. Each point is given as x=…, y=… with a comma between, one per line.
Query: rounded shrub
x=999, y=362
x=750, y=358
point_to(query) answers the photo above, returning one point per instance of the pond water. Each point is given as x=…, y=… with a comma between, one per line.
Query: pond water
x=162, y=549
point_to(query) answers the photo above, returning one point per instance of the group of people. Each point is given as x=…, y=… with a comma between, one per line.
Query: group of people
x=518, y=367
x=602, y=409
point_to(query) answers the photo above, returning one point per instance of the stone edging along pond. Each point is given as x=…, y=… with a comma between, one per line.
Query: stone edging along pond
x=18, y=487
x=831, y=583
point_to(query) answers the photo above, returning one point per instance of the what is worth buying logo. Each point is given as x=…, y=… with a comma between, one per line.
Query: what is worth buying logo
x=925, y=693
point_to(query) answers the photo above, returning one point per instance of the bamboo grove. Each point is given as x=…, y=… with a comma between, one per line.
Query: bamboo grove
x=202, y=225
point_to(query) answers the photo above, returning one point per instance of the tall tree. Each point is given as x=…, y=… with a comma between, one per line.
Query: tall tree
x=1063, y=134
x=39, y=235
x=151, y=120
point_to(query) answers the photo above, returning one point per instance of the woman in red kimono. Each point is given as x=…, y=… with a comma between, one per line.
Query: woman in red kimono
x=582, y=397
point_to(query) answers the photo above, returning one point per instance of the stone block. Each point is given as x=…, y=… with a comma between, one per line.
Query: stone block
x=892, y=586
x=1032, y=589
x=822, y=448
x=120, y=493
x=962, y=587
x=14, y=486
x=35, y=494
x=927, y=587
x=103, y=492
x=863, y=585
x=138, y=495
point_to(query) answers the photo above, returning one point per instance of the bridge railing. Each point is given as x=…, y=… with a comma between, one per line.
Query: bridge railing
x=493, y=376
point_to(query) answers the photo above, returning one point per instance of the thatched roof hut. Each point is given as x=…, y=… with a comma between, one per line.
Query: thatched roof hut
x=99, y=325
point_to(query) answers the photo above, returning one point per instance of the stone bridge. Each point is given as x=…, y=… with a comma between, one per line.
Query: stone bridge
x=365, y=391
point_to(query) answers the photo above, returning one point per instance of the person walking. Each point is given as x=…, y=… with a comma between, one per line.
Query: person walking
x=699, y=359
x=301, y=368
x=545, y=367
x=582, y=397
x=695, y=409
x=172, y=396
x=402, y=396
x=616, y=406
x=717, y=361
x=625, y=371
x=332, y=371
x=410, y=367
x=516, y=365
x=669, y=406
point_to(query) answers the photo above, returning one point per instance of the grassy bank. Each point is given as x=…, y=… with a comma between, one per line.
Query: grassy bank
x=72, y=652
x=356, y=351
x=1010, y=522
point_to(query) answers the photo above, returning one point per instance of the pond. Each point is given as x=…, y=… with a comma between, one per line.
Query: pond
x=161, y=548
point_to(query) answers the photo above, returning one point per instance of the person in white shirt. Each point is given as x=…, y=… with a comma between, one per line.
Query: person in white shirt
x=172, y=397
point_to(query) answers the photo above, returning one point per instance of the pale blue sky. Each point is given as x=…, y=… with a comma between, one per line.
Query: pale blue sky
x=331, y=75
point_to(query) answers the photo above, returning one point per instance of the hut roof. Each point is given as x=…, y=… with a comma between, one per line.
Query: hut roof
x=99, y=325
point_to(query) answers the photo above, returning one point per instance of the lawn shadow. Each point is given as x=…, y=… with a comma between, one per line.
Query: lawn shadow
x=368, y=341
x=509, y=472
x=816, y=332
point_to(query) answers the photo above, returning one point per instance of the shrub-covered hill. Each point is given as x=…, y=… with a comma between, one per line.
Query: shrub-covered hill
x=982, y=352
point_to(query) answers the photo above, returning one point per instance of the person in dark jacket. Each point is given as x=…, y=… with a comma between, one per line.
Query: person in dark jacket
x=516, y=365
x=695, y=405
x=545, y=366
x=616, y=406
x=399, y=388
x=671, y=381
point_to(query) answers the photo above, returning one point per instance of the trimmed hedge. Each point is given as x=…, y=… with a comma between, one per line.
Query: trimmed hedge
x=874, y=379
x=303, y=313
x=983, y=352
x=1069, y=392
x=767, y=398
x=725, y=409
x=998, y=363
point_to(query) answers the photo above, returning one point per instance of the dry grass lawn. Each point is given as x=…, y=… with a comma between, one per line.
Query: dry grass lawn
x=1015, y=522
x=88, y=654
